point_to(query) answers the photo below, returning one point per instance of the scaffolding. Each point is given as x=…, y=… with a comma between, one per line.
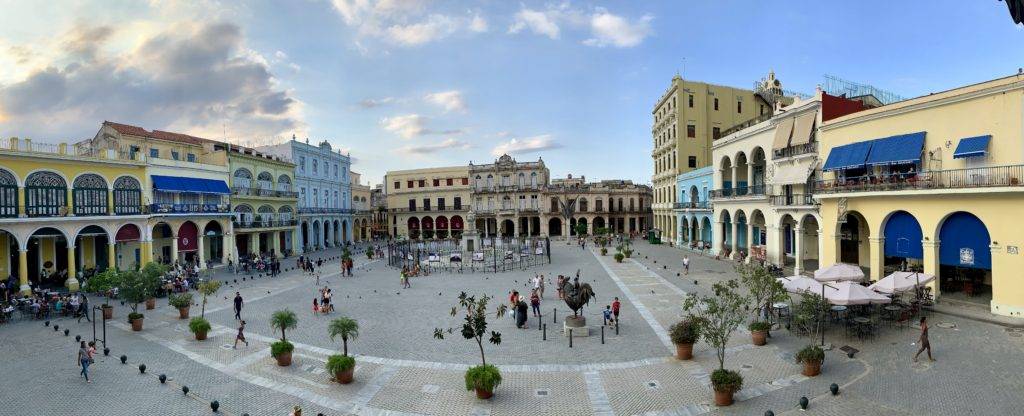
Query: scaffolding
x=843, y=88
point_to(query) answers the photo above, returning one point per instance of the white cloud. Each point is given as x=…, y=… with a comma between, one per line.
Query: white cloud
x=412, y=125
x=539, y=22
x=376, y=102
x=434, y=147
x=401, y=22
x=281, y=56
x=449, y=100
x=478, y=24
x=526, y=145
x=609, y=29
x=435, y=27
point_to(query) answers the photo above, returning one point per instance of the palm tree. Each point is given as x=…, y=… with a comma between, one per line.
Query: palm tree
x=346, y=328
x=284, y=319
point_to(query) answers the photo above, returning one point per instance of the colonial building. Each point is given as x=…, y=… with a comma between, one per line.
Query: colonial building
x=693, y=211
x=264, y=201
x=324, y=194
x=379, y=205
x=428, y=203
x=618, y=206
x=507, y=196
x=362, y=211
x=688, y=117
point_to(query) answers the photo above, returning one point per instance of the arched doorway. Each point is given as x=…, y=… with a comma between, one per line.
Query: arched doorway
x=306, y=244
x=726, y=232
x=854, y=247
x=414, y=227
x=9, y=258
x=91, y=250
x=902, y=244
x=442, y=226
x=316, y=235
x=128, y=247
x=707, y=229
x=965, y=258
x=572, y=226
x=213, y=242
x=582, y=225
x=811, y=239
x=163, y=237
x=89, y=195
x=742, y=242
x=508, y=228
x=457, y=226
x=599, y=223
x=427, y=223
x=46, y=194
x=48, y=258
x=188, y=242
x=684, y=231
x=555, y=227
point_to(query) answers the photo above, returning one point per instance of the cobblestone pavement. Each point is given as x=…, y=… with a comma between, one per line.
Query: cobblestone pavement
x=402, y=370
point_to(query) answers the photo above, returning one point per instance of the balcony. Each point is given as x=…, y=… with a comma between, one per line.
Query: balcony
x=507, y=188
x=743, y=191
x=795, y=150
x=431, y=209
x=797, y=200
x=319, y=210
x=269, y=223
x=189, y=208
x=264, y=192
x=699, y=205
x=970, y=178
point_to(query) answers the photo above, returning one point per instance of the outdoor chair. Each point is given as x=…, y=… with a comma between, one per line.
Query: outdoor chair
x=904, y=319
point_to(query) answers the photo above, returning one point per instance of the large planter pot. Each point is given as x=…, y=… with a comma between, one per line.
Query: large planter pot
x=284, y=359
x=137, y=324
x=108, y=312
x=345, y=377
x=201, y=336
x=150, y=304
x=759, y=337
x=811, y=368
x=723, y=398
x=684, y=351
x=484, y=394
x=183, y=313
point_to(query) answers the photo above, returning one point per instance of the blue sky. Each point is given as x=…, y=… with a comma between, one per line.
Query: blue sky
x=404, y=84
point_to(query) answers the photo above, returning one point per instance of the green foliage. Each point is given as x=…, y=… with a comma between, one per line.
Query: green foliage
x=604, y=251
x=284, y=319
x=581, y=229
x=474, y=325
x=135, y=315
x=154, y=270
x=102, y=282
x=718, y=315
x=808, y=313
x=759, y=326
x=762, y=286
x=135, y=287
x=346, y=328
x=726, y=380
x=484, y=377
x=810, y=354
x=369, y=252
x=281, y=347
x=180, y=300
x=198, y=324
x=619, y=257
x=339, y=363
x=208, y=288
x=686, y=331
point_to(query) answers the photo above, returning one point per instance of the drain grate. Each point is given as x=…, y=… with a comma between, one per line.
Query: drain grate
x=541, y=393
x=653, y=385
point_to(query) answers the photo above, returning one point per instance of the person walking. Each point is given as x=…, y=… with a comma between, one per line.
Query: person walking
x=240, y=336
x=540, y=290
x=85, y=353
x=923, y=340
x=238, y=306
x=535, y=303
x=84, y=307
x=686, y=264
x=615, y=309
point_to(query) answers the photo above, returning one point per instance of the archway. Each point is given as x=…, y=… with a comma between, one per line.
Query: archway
x=89, y=195
x=163, y=237
x=188, y=242
x=555, y=227
x=427, y=223
x=213, y=242
x=457, y=226
x=854, y=247
x=46, y=194
x=414, y=228
x=965, y=258
x=316, y=234
x=508, y=228
x=48, y=258
x=902, y=245
x=707, y=229
x=92, y=250
x=9, y=261
x=572, y=226
x=811, y=257
x=787, y=252
x=684, y=231
x=582, y=225
x=598, y=223
x=305, y=235
x=8, y=195
x=442, y=226
x=128, y=247
x=742, y=240
x=727, y=236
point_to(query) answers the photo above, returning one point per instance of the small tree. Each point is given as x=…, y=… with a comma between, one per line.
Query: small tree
x=763, y=287
x=208, y=288
x=284, y=320
x=717, y=316
x=135, y=287
x=474, y=326
x=346, y=328
x=102, y=283
x=581, y=229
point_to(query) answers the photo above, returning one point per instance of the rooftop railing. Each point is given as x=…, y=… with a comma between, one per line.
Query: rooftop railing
x=984, y=177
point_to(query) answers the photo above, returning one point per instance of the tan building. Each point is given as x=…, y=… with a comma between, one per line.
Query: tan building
x=428, y=203
x=379, y=205
x=686, y=119
x=362, y=211
x=507, y=196
x=617, y=205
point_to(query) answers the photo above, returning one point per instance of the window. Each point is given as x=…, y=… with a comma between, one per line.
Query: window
x=440, y=204
x=437, y=182
x=716, y=104
x=335, y=170
x=716, y=133
x=408, y=184
x=154, y=153
x=412, y=205
x=762, y=109
x=691, y=161
x=302, y=164
x=533, y=179
x=690, y=102
x=174, y=154
x=316, y=197
x=398, y=185
x=522, y=202
x=336, y=205
x=448, y=182
x=191, y=157
x=314, y=165
x=423, y=183
x=533, y=201
x=302, y=196
x=458, y=202
x=465, y=181
x=426, y=204
x=739, y=106
x=691, y=130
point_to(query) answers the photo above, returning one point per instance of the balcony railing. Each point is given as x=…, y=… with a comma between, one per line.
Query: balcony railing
x=319, y=210
x=986, y=177
x=743, y=191
x=692, y=205
x=507, y=188
x=798, y=200
x=796, y=150
x=267, y=192
x=757, y=120
x=432, y=209
x=256, y=223
x=188, y=208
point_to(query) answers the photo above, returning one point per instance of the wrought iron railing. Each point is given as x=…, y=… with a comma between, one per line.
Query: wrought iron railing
x=796, y=150
x=692, y=205
x=757, y=120
x=793, y=200
x=743, y=191
x=188, y=208
x=257, y=223
x=985, y=177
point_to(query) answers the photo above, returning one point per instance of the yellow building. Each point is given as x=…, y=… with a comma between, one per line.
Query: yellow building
x=932, y=183
x=362, y=211
x=507, y=197
x=428, y=202
x=69, y=211
x=687, y=118
x=263, y=200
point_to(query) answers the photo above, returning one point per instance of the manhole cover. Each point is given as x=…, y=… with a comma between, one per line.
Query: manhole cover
x=227, y=346
x=653, y=384
x=540, y=393
x=746, y=366
x=946, y=325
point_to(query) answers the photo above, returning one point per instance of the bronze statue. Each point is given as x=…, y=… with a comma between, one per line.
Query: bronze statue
x=576, y=294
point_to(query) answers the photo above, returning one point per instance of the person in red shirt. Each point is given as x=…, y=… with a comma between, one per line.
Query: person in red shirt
x=615, y=309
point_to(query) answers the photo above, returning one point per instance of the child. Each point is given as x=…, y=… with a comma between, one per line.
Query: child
x=608, y=314
x=615, y=309
x=316, y=306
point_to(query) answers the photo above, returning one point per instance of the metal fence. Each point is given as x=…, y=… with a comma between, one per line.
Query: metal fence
x=495, y=254
x=982, y=177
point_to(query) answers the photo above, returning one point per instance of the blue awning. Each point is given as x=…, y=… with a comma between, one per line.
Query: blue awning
x=972, y=146
x=848, y=156
x=904, y=148
x=193, y=185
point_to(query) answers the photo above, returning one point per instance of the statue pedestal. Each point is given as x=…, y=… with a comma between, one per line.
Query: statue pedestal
x=578, y=324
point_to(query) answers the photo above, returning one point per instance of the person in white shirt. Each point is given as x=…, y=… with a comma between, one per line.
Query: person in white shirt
x=686, y=264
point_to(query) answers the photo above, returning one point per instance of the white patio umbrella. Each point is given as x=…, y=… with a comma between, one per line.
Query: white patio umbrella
x=839, y=272
x=800, y=284
x=850, y=293
x=898, y=282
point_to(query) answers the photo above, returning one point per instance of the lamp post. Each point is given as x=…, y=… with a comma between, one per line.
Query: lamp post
x=821, y=325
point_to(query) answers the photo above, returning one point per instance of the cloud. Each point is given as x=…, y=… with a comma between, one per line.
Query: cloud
x=435, y=27
x=609, y=29
x=449, y=100
x=412, y=125
x=526, y=145
x=539, y=22
x=372, y=103
x=435, y=147
x=193, y=78
x=401, y=22
x=478, y=24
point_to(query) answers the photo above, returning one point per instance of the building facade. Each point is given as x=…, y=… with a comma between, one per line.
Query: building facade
x=688, y=117
x=379, y=205
x=362, y=211
x=617, y=206
x=263, y=200
x=428, y=203
x=507, y=196
x=693, y=211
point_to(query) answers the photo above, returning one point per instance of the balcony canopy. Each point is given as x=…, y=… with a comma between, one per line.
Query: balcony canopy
x=972, y=147
x=793, y=174
x=192, y=185
x=893, y=150
x=847, y=156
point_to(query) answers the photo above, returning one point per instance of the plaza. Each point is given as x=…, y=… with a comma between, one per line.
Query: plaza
x=402, y=369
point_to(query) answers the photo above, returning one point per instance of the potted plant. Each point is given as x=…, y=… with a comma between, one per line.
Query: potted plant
x=207, y=288
x=482, y=379
x=604, y=251
x=200, y=327
x=282, y=350
x=182, y=301
x=102, y=283
x=342, y=367
x=619, y=257
x=684, y=334
x=811, y=357
x=153, y=272
x=369, y=253
x=717, y=316
x=764, y=289
x=135, y=288
x=759, y=332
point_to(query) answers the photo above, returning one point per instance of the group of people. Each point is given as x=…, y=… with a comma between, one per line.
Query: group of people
x=323, y=305
x=261, y=263
x=41, y=306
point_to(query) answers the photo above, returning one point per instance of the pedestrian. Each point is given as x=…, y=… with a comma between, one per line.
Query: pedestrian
x=608, y=314
x=238, y=306
x=686, y=264
x=535, y=303
x=85, y=309
x=513, y=303
x=541, y=288
x=316, y=307
x=923, y=340
x=536, y=282
x=558, y=288
x=521, y=314
x=615, y=309
x=85, y=358
x=240, y=336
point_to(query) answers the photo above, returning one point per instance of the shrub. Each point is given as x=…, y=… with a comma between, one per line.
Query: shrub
x=182, y=300
x=134, y=315
x=627, y=252
x=726, y=380
x=759, y=326
x=346, y=328
x=369, y=252
x=484, y=377
x=810, y=354
x=339, y=363
x=281, y=347
x=685, y=332
x=197, y=325
x=604, y=251
x=619, y=257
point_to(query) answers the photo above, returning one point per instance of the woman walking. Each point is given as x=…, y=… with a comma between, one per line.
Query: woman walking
x=923, y=340
x=240, y=336
x=535, y=303
x=85, y=358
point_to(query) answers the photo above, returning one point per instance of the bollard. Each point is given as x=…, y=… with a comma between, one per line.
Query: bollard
x=602, y=335
x=554, y=315
x=570, y=337
x=545, y=329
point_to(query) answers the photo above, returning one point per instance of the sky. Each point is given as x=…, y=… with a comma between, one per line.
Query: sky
x=402, y=84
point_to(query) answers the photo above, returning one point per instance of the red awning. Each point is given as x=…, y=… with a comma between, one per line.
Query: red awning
x=188, y=237
x=442, y=223
x=428, y=223
x=456, y=222
x=127, y=233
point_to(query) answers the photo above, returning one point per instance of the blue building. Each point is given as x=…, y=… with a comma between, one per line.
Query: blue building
x=324, y=185
x=693, y=211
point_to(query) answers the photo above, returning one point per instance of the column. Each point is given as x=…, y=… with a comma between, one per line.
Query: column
x=734, y=242
x=23, y=272
x=146, y=252
x=70, y=202
x=227, y=245
x=22, y=206
x=876, y=245
x=750, y=239
x=200, y=243
x=112, y=255
x=798, y=249
x=296, y=245
x=174, y=249
x=776, y=244
x=276, y=235
x=734, y=186
x=718, y=237
x=72, y=282
x=110, y=202
x=254, y=243
x=931, y=263
x=821, y=247
x=750, y=175
x=700, y=231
